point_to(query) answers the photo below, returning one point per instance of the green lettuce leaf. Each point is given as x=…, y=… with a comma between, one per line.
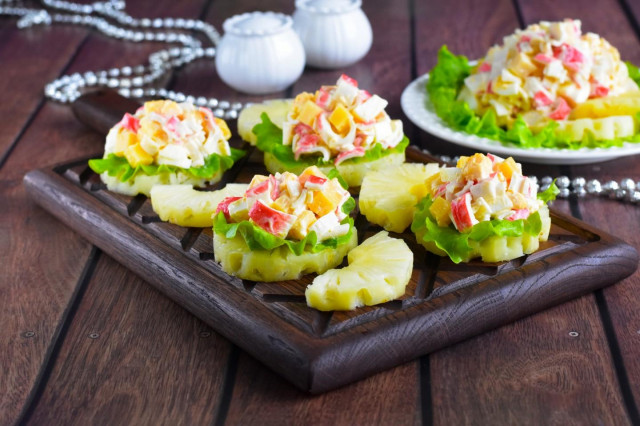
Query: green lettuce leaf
x=269, y=139
x=444, y=84
x=456, y=244
x=259, y=239
x=118, y=166
x=550, y=193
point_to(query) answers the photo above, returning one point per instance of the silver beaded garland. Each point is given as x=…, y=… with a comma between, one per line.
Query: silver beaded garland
x=129, y=81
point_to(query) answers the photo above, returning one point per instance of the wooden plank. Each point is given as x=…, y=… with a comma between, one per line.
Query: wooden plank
x=481, y=380
x=31, y=64
x=622, y=32
x=131, y=353
x=261, y=397
x=45, y=267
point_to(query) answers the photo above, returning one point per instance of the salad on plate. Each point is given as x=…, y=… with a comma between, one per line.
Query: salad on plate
x=547, y=86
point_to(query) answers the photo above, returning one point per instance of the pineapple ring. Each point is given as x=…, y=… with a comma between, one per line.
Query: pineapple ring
x=276, y=109
x=352, y=173
x=184, y=206
x=279, y=264
x=142, y=184
x=379, y=270
x=381, y=201
x=499, y=249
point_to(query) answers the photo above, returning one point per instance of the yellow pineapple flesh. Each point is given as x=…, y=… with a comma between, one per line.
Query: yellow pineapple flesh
x=276, y=109
x=279, y=264
x=625, y=104
x=388, y=196
x=379, y=271
x=182, y=205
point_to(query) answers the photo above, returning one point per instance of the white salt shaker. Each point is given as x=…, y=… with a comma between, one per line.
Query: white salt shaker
x=335, y=33
x=259, y=53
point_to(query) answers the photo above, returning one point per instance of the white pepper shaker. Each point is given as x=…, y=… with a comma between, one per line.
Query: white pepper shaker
x=335, y=33
x=259, y=53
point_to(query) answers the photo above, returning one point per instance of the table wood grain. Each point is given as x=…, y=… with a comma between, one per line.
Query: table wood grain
x=86, y=341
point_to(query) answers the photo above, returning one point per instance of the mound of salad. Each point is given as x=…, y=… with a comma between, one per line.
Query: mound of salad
x=336, y=124
x=174, y=142
x=306, y=212
x=542, y=87
x=484, y=196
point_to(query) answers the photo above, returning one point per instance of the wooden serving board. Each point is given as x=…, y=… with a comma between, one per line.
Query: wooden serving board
x=317, y=351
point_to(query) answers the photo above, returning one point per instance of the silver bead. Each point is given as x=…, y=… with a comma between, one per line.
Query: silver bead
x=236, y=105
x=157, y=23
x=218, y=112
x=546, y=180
x=125, y=82
x=634, y=197
x=232, y=114
x=139, y=69
x=145, y=22
x=125, y=92
x=628, y=184
x=213, y=102
x=137, y=81
x=563, y=182
x=169, y=22
x=113, y=83
x=445, y=158
x=564, y=192
x=201, y=101
x=126, y=71
x=224, y=104
x=162, y=92
x=578, y=182
x=594, y=187
x=180, y=97
x=150, y=93
x=190, y=99
x=137, y=93
x=580, y=192
x=610, y=186
x=619, y=194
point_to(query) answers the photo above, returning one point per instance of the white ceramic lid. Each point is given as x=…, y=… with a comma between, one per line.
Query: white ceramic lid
x=257, y=24
x=328, y=6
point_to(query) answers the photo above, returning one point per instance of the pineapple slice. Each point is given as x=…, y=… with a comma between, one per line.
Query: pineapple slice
x=352, y=173
x=625, y=104
x=278, y=264
x=379, y=270
x=499, y=249
x=388, y=196
x=142, y=183
x=184, y=206
x=276, y=109
x=606, y=128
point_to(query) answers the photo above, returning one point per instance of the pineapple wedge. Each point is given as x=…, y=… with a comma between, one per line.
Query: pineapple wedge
x=278, y=264
x=184, y=206
x=625, y=104
x=142, y=184
x=379, y=270
x=605, y=128
x=276, y=109
x=388, y=196
x=352, y=173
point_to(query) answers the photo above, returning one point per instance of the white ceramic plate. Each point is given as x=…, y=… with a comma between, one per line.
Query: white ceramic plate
x=415, y=105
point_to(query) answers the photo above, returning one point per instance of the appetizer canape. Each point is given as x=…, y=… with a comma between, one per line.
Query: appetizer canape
x=483, y=207
x=379, y=271
x=165, y=142
x=340, y=127
x=284, y=226
x=548, y=85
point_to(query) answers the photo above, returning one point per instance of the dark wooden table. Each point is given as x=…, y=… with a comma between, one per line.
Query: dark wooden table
x=85, y=341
